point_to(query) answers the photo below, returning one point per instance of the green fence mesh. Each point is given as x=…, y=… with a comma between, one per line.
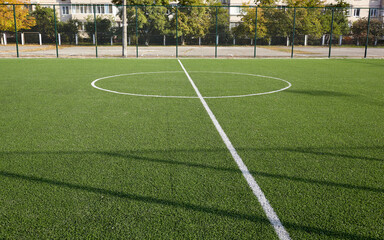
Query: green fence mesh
x=214, y=31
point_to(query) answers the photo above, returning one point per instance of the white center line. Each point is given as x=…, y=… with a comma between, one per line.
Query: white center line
x=271, y=214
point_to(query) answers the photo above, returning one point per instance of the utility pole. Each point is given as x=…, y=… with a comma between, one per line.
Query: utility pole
x=125, y=28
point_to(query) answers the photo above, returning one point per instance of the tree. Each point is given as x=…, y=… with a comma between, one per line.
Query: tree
x=359, y=29
x=340, y=20
x=222, y=20
x=278, y=22
x=105, y=30
x=307, y=16
x=23, y=19
x=247, y=26
x=193, y=19
x=45, y=22
x=152, y=20
x=68, y=30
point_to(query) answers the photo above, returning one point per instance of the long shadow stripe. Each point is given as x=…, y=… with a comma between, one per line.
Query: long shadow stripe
x=197, y=208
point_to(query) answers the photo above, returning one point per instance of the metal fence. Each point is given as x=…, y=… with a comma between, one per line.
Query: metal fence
x=83, y=30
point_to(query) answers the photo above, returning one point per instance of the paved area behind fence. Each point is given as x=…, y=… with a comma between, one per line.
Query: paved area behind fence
x=9, y=51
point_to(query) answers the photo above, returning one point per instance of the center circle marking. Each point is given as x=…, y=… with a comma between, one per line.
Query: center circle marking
x=165, y=96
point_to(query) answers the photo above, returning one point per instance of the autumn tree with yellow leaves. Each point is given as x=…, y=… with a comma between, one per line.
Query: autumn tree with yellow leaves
x=23, y=19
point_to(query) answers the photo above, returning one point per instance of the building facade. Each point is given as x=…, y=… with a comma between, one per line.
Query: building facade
x=82, y=10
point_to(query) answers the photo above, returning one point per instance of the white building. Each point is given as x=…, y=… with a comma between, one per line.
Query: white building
x=81, y=9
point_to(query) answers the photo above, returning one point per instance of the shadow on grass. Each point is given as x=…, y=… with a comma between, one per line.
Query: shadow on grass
x=322, y=93
x=188, y=206
x=236, y=170
x=134, y=155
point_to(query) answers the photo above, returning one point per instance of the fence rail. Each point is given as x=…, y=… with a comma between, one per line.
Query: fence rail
x=86, y=30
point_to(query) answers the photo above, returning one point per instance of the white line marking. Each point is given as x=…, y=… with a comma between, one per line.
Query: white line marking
x=271, y=214
x=165, y=96
x=134, y=94
x=251, y=94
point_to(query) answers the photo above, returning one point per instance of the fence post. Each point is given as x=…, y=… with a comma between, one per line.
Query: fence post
x=367, y=39
x=94, y=17
x=59, y=37
x=177, y=38
x=164, y=40
x=125, y=30
x=305, y=40
x=254, y=47
x=5, y=38
x=330, y=38
x=54, y=19
x=293, y=32
x=76, y=39
x=216, y=39
x=22, y=38
x=137, y=35
x=40, y=39
x=340, y=40
x=323, y=40
x=17, y=41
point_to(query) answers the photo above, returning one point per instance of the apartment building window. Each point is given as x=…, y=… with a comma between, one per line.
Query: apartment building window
x=65, y=10
x=100, y=9
x=373, y=12
x=80, y=9
x=356, y=12
x=348, y=12
x=235, y=10
x=108, y=8
x=84, y=9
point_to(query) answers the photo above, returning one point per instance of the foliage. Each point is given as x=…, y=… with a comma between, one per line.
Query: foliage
x=279, y=20
x=193, y=21
x=68, y=30
x=247, y=27
x=222, y=19
x=105, y=29
x=23, y=19
x=151, y=20
x=340, y=21
x=45, y=22
x=307, y=20
x=359, y=29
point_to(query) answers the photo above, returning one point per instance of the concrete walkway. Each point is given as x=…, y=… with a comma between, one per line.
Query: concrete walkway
x=49, y=51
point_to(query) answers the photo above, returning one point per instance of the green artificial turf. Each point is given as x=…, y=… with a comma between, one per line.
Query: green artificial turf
x=78, y=162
